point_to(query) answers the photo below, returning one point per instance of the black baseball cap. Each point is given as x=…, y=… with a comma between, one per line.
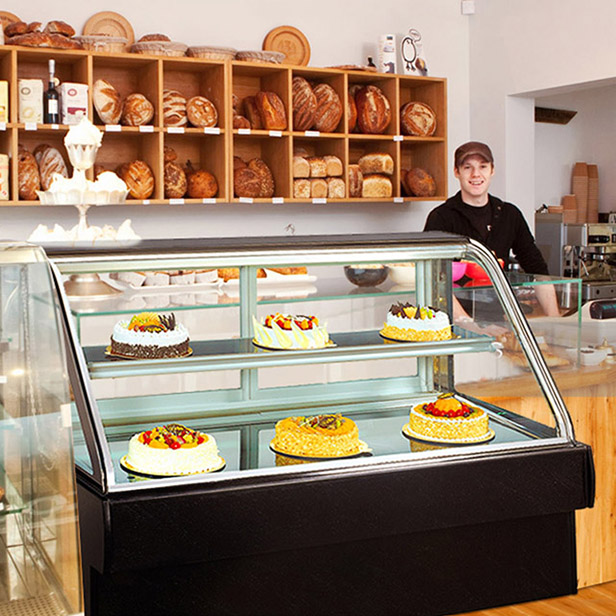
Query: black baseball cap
x=472, y=148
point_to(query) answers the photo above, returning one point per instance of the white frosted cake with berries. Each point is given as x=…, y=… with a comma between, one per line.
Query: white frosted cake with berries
x=292, y=332
x=410, y=323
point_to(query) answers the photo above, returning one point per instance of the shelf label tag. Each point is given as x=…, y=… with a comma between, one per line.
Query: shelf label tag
x=147, y=128
x=243, y=131
x=398, y=138
x=55, y=127
x=398, y=199
x=312, y=133
x=211, y=130
x=31, y=126
x=178, y=130
x=275, y=133
x=2, y=125
x=176, y=201
x=246, y=200
x=146, y=202
x=277, y=200
x=113, y=128
x=208, y=200
x=319, y=200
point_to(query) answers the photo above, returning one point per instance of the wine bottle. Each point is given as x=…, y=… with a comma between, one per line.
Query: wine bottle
x=51, y=112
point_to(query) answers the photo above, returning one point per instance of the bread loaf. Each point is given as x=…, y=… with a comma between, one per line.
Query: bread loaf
x=59, y=41
x=301, y=189
x=15, y=28
x=174, y=108
x=238, y=163
x=417, y=119
x=373, y=110
x=50, y=161
x=298, y=270
x=260, y=167
x=333, y=166
x=246, y=183
x=301, y=167
x=272, y=111
x=175, y=181
x=28, y=175
x=239, y=121
x=201, y=111
x=235, y=101
x=304, y=104
x=336, y=188
x=376, y=186
x=35, y=26
x=356, y=180
x=137, y=111
x=252, y=113
x=318, y=188
x=318, y=168
x=202, y=185
x=107, y=102
x=139, y=179
x=376, y=162
x=329, y=108
x=169, y=154
x=405, y=187
x=420, y=183
x=59, y=27
x=31, y=39
x=351, y=113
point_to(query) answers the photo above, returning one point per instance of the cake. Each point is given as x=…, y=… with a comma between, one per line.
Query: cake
x=319, y=436
x=172, y=449
x=416, y=323
x=448, y=419
x=284, y=331
x=149, y=336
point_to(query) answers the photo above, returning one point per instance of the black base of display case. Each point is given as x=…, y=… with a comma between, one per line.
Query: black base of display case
x=452, y=536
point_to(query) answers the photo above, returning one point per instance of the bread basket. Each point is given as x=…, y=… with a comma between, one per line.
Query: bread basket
x=101, y=42
x=275, y=57
x=212, y=53
x=160, y=48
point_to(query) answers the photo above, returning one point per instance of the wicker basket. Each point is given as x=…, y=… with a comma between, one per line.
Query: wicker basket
x=100, y=42
x=160, y=48
x=212, y=53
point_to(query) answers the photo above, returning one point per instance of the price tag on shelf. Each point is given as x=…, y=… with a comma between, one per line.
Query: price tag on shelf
x=211, y=201
x=177, y=130
x=55, y=127
x=113, y=128
x=312, y=133
x=176, y=201
x=319, y=200
x=211, y=130
x=2, y=125
x=277, y=200
x=146, y=202
x=275, y=133
x=243, y=131
x=31, y=126
x=398, y=138
x=148, y=128
x=398, y=199
x=246, y=200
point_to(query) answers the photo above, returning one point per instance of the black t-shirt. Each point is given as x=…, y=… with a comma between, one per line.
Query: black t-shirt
x=480, y=217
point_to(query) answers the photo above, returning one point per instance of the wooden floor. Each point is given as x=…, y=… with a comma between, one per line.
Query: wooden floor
x=592, y=601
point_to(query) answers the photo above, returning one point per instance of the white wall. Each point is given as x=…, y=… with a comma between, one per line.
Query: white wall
x=338, y=34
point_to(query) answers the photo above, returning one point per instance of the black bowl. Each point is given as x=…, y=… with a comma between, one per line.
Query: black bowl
x=364, y=276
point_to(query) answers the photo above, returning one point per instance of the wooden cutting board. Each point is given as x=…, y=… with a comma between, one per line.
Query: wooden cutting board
x=290, y=41
x=111, y=24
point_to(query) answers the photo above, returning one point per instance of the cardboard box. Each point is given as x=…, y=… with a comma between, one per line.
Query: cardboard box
x=73, y=102
x=31, y=100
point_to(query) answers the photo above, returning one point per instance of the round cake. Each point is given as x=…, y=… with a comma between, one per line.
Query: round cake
x=172, y=449
x=449, y=419
x=285, y=331
x=319, y=436
x=149, y=336
x=416, y=323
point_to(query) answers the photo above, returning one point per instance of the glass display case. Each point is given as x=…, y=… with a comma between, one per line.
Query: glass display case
x=398, y=501
x=39, y=541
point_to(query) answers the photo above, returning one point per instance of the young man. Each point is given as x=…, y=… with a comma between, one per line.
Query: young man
x=499, y=225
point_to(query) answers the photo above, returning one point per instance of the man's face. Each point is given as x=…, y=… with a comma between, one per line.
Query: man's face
x=474, y=175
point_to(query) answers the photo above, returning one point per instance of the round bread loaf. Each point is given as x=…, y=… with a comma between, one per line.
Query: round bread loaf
x=239, y=121
x=246, y=183
x=202, y=185
x=174, y=108
x=138, y=110
x=28, y=175
x=417, y=119
x=351, y=113
x=329, y=108
x=272, y=111
x=153, y=37
x=107, y=102
x=252, y=113
x=376, y=162
x=304, y=104
x=373, y=110
x=201, y=111
x=356, y=179
x=260, y=167
x=50, y=161
x=420, y=183
x=169, y=154
x=139, y=179
x=59, y=27
x=175, y=181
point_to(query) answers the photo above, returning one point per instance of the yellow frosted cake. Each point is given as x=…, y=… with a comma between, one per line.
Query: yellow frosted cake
x=410, y=323
x=449, y=419
x=319, y=436
x=293, y=332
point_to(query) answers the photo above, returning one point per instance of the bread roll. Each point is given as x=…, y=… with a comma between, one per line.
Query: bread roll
x=175, y=181
x=301, y=167
x=50, y=161
x=201, y=111
x=351, y=113
x=59, y=27
x=252, y=113
x=329, y=108
x=169, y=154
x=272, y=111
x=202, y=185
x=318, y=188
x=240, y=121
x=107, y=102
x=376, y=186
x=356, y=180
x=376, y=162
x=139, y=179
x=373, y=110
x=260, y=167
x=336, y=188
x=417, y=119
x=304, y=104
x=28, y=175
x=301, y=189
x=137, y=111
x=318, y=168
x=174, y=108
x=333, y=166
x=246, y=183
x=420, y=183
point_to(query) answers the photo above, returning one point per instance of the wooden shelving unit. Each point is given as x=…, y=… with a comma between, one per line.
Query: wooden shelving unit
x=213, y=149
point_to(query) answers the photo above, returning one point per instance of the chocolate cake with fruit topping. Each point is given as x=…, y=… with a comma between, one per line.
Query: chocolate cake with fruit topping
x=410, y=323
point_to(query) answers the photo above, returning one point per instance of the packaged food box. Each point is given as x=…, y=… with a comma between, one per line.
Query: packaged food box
x=73, y=102
x=30, y=100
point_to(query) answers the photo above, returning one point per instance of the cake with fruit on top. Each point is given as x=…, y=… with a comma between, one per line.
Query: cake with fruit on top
x=149, y=336
x=285, y=331
x=449, y=419
x=410, y=323
x=172, y=449
x=320, y=436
